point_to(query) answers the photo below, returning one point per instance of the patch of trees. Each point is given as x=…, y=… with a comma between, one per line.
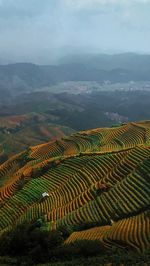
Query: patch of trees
x=28, y=245
x=28, y=241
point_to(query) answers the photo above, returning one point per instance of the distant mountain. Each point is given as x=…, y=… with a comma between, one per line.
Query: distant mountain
x=130, y=61
x=26, y=77
x=97, y=179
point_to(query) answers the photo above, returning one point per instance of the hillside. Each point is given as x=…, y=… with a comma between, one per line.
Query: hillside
x=99, y=177
x=18, y=132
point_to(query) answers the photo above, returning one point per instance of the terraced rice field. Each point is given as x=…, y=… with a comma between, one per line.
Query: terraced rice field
x=100, y=176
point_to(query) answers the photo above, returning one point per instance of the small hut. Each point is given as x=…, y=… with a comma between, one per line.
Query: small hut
x=45, y=195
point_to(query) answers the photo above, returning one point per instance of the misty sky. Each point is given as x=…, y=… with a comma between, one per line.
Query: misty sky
x=40, y=30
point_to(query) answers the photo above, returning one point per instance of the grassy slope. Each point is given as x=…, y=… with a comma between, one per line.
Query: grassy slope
x=98, y=176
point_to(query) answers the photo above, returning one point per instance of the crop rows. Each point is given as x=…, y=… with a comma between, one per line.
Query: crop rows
x=132, y=232
x=106, y=139
x=73, y=184
x=126, y=198
x=96, y=233
x=100, y=176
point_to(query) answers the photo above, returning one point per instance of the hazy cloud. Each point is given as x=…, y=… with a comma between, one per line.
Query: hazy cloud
x=93, y=3
x=41, y=30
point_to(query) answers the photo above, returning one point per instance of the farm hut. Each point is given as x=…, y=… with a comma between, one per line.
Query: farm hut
x=45, y=194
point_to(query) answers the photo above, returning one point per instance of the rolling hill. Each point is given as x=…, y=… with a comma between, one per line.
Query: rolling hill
x=98, y=177
x=18, y=132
